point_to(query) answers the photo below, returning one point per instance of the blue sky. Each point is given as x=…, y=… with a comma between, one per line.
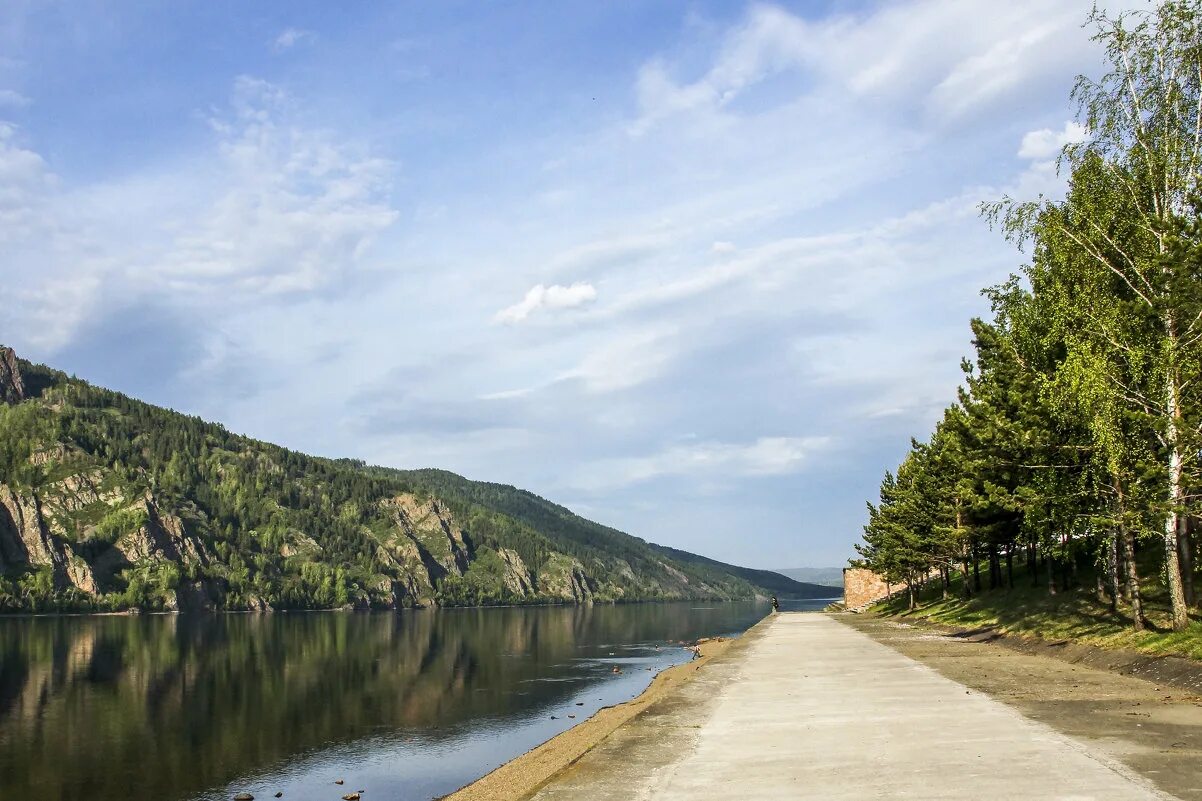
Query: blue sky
x=696, y=270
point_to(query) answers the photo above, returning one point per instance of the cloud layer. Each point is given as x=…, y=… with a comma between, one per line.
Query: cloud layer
x=702, y=282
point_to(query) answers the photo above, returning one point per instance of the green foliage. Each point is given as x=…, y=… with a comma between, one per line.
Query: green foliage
x=483, y=583
x=1077, y=436
x=118, y=522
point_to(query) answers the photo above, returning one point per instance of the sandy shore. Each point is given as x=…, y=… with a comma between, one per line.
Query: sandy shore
x=520, y=777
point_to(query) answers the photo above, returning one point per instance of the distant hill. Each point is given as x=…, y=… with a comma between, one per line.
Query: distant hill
x=110, y=503
x=826, y=576
x=780, y=585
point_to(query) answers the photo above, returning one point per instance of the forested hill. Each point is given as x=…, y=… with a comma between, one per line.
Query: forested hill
x=110, y=503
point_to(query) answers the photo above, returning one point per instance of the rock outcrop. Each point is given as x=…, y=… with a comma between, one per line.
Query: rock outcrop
x=26, y=541
x=35, y=533
x=518, y=579
x=426, y=545
x=162, y=538
x=429, y=523
x=12, y=388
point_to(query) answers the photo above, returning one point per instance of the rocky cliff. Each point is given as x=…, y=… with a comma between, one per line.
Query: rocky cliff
x=12, y=388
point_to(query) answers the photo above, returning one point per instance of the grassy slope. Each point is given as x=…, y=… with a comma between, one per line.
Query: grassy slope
x=1069, y=615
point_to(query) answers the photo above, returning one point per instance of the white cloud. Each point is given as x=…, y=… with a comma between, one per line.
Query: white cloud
x=290, y=37
x=765, y=456
x=723, y=247
x=1046, y=143
x=552, y=298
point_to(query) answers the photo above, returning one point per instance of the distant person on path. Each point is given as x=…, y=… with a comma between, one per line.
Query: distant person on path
x=775, y=604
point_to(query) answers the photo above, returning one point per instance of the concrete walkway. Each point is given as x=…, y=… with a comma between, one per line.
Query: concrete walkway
x=805, y=707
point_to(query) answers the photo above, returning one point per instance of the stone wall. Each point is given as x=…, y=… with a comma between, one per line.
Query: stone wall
x=862, y=586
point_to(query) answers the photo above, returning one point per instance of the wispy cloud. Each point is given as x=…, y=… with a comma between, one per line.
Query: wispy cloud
x=764, y=456
x=279, y=210
x=290, y=38
x=13, y=99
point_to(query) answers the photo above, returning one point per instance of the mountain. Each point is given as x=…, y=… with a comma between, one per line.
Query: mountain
x=110, y=503
x=826, y=576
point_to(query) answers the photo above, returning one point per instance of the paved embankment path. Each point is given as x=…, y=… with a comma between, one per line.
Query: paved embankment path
x=805, y=707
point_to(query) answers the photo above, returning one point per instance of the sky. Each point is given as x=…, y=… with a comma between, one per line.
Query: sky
x=695, y=270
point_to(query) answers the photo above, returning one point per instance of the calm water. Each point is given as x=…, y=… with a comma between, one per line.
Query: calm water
x=402, y=706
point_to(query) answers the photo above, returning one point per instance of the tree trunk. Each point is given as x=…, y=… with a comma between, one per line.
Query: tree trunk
x=1070, y=566
x=1010, y=565
x=945, y=580
x=910, y=589
x=1033, y=562
x=1051, y=566
x=1133, y=591
x=1185, y=546
x=1172, y=522
x=976, y=570
x=1112, y=567
x=966, y=588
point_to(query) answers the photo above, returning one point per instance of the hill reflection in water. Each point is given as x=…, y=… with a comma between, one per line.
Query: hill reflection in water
x=405, y=706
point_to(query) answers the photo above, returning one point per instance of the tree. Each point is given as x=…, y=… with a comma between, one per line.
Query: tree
x=1132, y=180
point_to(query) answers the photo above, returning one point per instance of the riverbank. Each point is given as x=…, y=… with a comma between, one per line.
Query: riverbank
x=520, y=777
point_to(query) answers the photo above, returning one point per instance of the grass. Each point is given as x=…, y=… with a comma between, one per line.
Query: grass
x=1074, y=615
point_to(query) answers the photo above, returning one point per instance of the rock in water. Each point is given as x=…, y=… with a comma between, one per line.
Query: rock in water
x=244, y=797
x=351, y=797
x=279, y=795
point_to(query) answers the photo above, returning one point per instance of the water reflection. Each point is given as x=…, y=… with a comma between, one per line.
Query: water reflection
x=412, y=704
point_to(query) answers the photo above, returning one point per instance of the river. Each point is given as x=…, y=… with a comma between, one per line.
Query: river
x=404, y=706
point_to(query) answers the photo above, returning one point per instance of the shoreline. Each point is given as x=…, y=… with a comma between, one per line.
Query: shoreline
x=523, y=775
x=374, y=610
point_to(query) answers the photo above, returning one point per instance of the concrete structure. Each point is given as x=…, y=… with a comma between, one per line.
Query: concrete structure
x=805, y=707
